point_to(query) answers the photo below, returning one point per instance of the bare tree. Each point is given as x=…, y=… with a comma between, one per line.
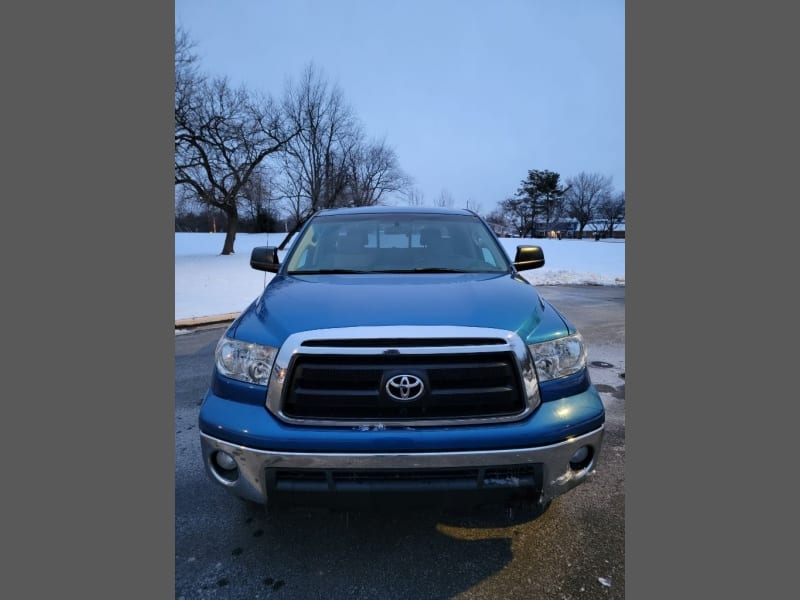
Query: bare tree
x=498, y=220
x=222, y=136
x=315, y=163
x=294, y=201
x=373, y=173
x=585, y=194
x=220, y=140
x=188, y=79
x=415, y=197
x=612, y=212
x=444, y=200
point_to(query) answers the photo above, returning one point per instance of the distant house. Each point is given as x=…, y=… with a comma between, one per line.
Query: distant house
x=601, y=228
x=564, y=227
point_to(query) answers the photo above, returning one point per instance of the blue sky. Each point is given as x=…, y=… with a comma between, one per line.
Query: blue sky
x=470, y=94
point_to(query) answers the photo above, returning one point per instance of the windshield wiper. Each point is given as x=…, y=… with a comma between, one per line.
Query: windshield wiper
x=329, y=272
x=424, y=270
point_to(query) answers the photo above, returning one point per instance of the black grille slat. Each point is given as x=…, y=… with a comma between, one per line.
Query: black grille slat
x=313, y=392
x=343, y=377
x=404, y=475
x=343, y=480
x=300, y=475
x=489, y=396
x=341, y=401
x=351, y=386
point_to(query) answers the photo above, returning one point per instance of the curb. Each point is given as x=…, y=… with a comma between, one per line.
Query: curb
x=210, y=320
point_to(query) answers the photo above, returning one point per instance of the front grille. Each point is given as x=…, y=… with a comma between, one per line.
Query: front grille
x=402, y=375
x=353, y=386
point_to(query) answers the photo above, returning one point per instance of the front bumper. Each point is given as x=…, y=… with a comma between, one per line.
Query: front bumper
x=254, y=476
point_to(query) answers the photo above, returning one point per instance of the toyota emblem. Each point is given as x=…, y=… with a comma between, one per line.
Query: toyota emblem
x=405, y=388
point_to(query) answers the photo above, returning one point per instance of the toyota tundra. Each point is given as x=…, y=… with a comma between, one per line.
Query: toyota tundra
x=396, y=354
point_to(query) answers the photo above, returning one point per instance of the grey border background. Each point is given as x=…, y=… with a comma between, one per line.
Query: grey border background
x=711, y=140
x=711, y=105
x=88, y=405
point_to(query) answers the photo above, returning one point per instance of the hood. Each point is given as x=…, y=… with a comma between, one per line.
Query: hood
x=299, y=303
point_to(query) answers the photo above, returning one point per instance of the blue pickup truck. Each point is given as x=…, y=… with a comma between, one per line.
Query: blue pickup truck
x=397, y=354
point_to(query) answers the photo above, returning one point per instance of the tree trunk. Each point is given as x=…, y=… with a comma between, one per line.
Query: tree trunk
x=230, y=234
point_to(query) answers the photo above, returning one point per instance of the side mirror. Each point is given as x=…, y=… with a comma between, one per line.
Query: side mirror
x=265, y=258
x=528, y=257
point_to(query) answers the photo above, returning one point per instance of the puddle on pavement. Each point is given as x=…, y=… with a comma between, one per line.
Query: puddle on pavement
x=617, y=392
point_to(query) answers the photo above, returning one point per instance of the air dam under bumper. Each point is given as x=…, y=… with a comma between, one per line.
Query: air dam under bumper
x=553, y=462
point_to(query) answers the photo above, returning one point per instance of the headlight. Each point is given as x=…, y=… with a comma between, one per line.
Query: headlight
x=559, y=358
x=245, y=361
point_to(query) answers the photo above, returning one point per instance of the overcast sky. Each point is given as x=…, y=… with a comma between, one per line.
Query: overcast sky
x=470, y=94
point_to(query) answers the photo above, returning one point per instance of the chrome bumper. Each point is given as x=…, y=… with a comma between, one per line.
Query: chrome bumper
x=249, y=481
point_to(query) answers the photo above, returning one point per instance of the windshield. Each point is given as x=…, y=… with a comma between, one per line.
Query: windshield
x=397, y=243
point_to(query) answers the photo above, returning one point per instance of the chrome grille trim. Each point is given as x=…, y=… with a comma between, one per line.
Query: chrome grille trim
x=491, y=341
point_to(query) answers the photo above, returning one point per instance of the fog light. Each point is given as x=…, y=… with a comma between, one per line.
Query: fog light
x=225, y=461
x=581, y=458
